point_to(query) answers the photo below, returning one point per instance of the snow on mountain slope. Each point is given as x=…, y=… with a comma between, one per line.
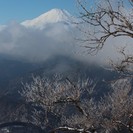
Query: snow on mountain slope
x=50, y=17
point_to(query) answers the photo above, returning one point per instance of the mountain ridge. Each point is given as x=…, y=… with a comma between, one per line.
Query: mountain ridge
x=51, y=17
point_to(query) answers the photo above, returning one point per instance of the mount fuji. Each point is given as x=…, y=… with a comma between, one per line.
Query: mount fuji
x=38, y=39
x=51, y=17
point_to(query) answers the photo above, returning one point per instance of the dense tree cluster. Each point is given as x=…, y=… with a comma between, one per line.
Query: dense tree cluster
x=77, y=109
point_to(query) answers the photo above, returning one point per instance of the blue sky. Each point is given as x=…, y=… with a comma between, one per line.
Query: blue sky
x=20, y=10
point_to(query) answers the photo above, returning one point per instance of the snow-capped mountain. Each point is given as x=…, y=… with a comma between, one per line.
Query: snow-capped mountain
x=51, y=17
x=40, y=38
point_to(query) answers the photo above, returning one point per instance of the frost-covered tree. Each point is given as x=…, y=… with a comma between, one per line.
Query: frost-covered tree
x=73, y=107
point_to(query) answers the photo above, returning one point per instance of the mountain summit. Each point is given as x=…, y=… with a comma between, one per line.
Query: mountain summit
x=50, y=17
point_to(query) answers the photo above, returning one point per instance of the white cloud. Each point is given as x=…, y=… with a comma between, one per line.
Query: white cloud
x=36, y=45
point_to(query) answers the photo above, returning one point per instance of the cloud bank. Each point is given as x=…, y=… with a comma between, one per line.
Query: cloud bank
x=36, y=45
